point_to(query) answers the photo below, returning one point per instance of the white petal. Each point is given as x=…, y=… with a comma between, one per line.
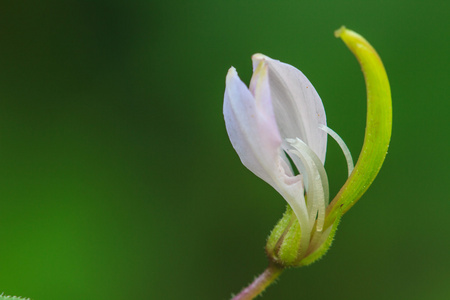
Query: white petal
x=251, y=127
x=254, y=134
x=294, y=195
x=341, y=143
x=296, y=104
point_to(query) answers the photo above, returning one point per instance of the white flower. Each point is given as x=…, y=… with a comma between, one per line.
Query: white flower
x=279, y=116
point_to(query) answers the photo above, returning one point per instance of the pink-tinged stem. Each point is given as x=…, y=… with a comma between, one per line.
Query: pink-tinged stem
x=260, y=283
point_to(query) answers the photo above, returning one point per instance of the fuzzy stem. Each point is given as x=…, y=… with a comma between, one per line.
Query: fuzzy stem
x=260, y=283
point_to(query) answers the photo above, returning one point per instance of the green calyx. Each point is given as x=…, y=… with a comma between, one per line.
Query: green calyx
x=283, y=244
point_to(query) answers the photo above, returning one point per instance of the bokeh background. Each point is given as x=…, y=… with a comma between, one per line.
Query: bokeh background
x=117, y=178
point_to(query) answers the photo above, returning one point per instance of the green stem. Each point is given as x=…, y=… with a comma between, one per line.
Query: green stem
x=378, y=125
x=260, y=283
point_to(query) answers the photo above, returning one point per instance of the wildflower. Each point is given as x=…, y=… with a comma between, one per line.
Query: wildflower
x=278, y=125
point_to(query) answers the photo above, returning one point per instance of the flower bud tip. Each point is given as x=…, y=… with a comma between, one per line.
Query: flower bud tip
x=338, y=32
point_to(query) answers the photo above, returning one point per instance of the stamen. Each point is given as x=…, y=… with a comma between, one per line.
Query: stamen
x=317, y=191
x=341, y=143
x=302, y=169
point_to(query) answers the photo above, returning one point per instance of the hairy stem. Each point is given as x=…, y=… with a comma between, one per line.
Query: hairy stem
x=260, y=283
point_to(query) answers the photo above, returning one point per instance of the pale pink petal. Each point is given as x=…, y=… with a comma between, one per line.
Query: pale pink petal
x=297, y=106
x=251, y=127
x=253, y=131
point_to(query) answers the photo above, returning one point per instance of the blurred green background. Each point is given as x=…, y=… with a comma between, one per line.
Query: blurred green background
x=118, y=180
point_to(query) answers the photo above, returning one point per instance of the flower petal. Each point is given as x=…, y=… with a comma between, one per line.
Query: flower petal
x=297, y=106
x=254, y=134
x=251, y=126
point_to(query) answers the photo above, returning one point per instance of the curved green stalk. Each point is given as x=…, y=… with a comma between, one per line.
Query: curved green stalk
x=378, y=126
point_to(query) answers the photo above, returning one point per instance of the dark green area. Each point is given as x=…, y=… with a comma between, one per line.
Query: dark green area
x=117, y=178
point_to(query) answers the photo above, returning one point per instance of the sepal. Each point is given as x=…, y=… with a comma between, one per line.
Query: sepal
x=283, y=244
x=284, y=248
x=323, y=248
